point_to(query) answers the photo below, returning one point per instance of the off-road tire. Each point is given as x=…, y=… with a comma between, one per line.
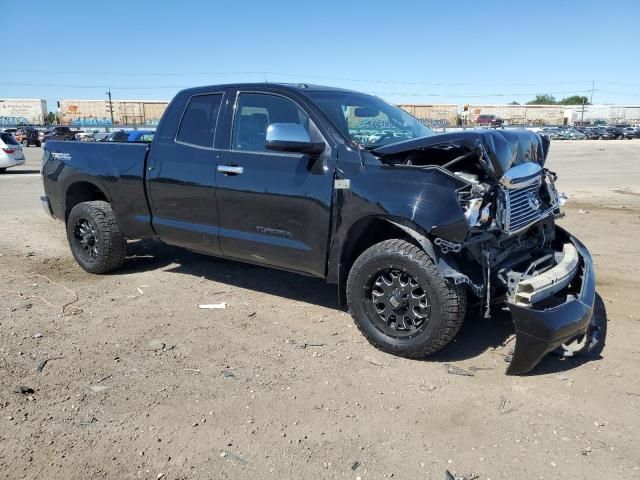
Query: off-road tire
x=111, y=244
x=448, y=302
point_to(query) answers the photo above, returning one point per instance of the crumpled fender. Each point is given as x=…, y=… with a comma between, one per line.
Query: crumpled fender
x=540, y=330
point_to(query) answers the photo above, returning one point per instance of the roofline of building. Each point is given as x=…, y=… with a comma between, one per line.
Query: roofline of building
x=112, y=101
x=4, y=99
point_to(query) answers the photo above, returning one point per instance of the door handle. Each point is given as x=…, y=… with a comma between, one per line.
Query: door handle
x=230, y=169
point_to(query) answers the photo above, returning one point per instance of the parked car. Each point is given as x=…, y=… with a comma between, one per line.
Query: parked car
x=83, y=136
x=573, y=134
x=553, y=133
x=59, y=133
x=489, y=121
x=631, y=132
x=617, y=132
x=27, y=136
x=100, y=136
x=119, y=136
x=603, y=133
x=11, y=153
x=141, y=136
x=411, y=225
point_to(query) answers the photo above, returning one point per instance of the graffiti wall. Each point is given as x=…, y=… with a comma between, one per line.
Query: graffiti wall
x=97, y=112
x=15, y=111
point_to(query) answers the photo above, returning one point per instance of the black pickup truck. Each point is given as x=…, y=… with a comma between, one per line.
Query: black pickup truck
x=410, y=225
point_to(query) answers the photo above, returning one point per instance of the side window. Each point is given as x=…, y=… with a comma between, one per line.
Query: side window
x=255, y=112
x=199, y=121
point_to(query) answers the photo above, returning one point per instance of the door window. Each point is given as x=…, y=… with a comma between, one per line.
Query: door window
x=255, y=112
x=198, y=123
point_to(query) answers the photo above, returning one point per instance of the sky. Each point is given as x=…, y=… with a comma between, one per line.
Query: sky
x=405, y=52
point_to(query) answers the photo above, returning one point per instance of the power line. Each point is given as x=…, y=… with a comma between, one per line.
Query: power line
x=427, y=94
x=263, y=73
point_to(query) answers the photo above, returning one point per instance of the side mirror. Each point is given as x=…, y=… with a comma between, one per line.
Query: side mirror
x=291, y=137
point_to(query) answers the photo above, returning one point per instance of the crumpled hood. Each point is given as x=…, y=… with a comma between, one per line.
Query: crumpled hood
x=500, y=149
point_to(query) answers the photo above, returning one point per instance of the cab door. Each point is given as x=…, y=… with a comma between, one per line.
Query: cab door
x=181, y=177
x=275, y=207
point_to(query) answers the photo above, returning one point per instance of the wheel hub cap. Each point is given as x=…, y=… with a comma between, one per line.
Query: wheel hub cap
x=400, y=302
x=87, y=237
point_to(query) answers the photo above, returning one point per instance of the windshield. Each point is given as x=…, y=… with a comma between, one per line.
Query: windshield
x=369, y=121
x=8, y=139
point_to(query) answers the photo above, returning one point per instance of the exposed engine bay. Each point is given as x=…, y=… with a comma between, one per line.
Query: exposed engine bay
x=510, y=202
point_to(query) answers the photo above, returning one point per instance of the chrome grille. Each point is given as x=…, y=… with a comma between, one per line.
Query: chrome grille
x=522, y=205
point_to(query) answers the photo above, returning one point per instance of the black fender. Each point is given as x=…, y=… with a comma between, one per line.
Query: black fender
x=447, y=266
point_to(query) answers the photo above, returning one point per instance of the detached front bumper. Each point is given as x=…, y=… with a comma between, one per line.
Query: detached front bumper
x=541, y=328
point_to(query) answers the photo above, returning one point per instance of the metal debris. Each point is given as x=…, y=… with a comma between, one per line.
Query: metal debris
x=24, y=390
x=213, y=306
x=478, y=369
x=44, y=361
x=98, y=388
x=453, y=370
x=373, y=361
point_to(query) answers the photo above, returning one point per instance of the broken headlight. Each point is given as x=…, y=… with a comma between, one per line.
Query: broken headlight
x=476, y=204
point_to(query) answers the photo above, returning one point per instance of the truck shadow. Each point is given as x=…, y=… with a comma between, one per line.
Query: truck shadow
x=476, y=336
x=146, y=255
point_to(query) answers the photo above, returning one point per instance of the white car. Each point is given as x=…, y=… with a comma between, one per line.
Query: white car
x=11, y=153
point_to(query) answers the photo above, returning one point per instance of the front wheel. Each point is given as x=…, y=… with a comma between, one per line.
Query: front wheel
x=401, y=302
x=95, y=238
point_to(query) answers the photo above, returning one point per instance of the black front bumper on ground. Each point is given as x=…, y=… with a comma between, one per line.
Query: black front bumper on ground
x=541, y=330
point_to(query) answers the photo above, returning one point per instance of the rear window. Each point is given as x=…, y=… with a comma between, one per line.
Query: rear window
x=8, y=139
x=199, y=120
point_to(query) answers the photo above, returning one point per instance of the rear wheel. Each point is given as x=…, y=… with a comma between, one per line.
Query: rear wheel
x=95, y=238
x=400, y=301
x=25, y=143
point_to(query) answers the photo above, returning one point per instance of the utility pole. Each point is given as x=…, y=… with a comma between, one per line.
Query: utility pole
x=108, y=93
x=593, y=86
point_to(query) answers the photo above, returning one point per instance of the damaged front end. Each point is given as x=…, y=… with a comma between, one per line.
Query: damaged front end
x=553, y=305
x=513, y=253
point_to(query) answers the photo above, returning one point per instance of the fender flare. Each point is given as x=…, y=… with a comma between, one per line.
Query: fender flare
x=447, y=265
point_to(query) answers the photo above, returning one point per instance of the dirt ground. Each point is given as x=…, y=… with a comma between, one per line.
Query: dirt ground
x=141, y=383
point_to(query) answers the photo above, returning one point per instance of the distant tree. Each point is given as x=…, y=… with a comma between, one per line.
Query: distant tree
x=514, y=103
x=543, y=99
x=51, y=119
x=574, y=100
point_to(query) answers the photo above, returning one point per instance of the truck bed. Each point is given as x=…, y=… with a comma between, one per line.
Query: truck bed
x=116, y=169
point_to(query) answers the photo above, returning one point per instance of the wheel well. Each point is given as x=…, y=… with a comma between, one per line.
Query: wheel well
x=363, y=235
x=81, y=192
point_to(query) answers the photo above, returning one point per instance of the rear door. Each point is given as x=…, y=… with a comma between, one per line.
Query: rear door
x=274, y=206
x=181, y=177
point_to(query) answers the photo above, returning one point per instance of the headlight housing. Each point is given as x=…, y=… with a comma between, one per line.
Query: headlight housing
x=476, y=202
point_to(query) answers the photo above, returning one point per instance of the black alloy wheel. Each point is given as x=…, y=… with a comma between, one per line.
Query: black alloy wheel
x=86, y=238
x=401, y=304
